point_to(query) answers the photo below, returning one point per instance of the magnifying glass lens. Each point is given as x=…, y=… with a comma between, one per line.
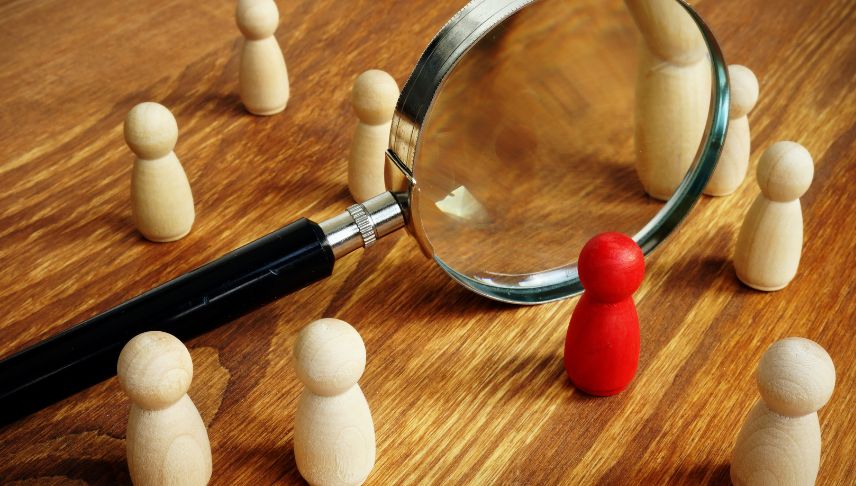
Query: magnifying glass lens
x=529, y=148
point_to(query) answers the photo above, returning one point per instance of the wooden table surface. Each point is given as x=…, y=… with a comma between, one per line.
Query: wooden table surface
x=462, y=389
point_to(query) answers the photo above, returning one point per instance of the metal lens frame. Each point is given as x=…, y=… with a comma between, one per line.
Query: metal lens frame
x=454, y=40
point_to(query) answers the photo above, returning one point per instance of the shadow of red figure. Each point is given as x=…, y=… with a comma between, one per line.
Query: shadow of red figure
x=602, y=345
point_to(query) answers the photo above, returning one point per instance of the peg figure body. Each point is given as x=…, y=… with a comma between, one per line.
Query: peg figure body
x=672, y=94
x=334, y=438
x=263, y=77
x=769, y=245
x=167, y=442
x=161, y=200
x=602, y=343
x=373, y=97
x=734, y=160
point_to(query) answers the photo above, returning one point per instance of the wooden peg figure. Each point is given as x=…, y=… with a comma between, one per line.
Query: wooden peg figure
x=167, y=442
x=334, y=438
x=263, y=77
x=779, y=443
x=161, y=201
x=734, y=161
x=769, y=245
x=602, y=344
x=672, y=94
x=374, y=96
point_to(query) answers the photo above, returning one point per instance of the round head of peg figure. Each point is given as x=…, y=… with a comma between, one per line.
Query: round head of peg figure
x=744, y=90
x=150, y=130
x=329, y=356
x=611, y=267
x=257, y=19
x=796, y=377
x=374, y=95
x=785, y=171
x=155, y=370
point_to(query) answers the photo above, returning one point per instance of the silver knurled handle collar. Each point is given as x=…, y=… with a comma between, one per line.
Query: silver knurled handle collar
x=364, y=224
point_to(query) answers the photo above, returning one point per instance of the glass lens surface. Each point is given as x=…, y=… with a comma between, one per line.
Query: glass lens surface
x=568, y=119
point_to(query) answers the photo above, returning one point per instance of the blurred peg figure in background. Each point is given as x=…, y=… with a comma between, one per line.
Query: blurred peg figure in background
x=374, y=96
x=734, y=161
x=673, y=89
x=263, y=76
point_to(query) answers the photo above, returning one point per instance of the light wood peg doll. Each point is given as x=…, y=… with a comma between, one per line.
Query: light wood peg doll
x=263, y=76
x=374, y=96
x=672, y=94
x=769, y=244
x=334, y=438
x=161, y=200
x=734, y=161
x=779, y=443
x=167, y=442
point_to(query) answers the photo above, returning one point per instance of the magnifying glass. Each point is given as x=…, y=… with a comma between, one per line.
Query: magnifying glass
x=526, y=128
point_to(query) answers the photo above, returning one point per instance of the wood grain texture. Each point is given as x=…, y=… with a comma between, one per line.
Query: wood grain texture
x=462, y=390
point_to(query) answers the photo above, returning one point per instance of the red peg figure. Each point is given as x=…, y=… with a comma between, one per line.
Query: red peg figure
x=602, y=345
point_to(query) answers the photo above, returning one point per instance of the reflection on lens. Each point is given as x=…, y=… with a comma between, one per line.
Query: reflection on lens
x=461, y=204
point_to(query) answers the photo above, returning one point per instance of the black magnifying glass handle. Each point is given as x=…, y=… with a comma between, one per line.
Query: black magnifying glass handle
x=255, y=274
